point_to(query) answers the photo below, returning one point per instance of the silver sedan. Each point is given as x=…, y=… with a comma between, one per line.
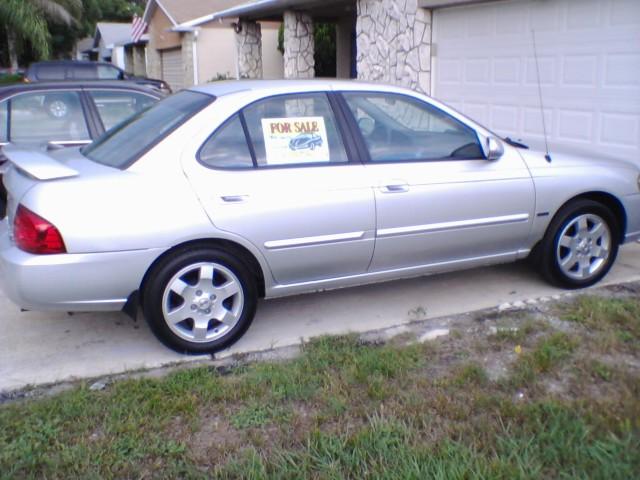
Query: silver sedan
x=199, y=206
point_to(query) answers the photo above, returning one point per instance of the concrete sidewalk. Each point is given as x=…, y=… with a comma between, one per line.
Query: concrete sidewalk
x=38, y=348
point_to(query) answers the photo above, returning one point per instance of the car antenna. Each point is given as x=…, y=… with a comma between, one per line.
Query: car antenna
x=544, y=126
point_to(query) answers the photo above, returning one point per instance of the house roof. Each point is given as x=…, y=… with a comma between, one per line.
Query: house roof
x=271, y=9
x=181, y=11
x=84, y=44
x=111, y=33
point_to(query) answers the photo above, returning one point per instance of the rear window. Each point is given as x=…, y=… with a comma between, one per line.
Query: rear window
x=122, y=145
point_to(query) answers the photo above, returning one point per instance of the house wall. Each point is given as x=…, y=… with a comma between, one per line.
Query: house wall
x=216, y=52
x=159, y=30
x=272, y=59
x=159, y=38
x=118, y=57
x=217, y=55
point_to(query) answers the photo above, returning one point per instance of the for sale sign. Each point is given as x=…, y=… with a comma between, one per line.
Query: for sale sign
x=295, y=140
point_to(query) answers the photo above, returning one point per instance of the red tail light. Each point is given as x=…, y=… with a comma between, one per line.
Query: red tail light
x=34, y=234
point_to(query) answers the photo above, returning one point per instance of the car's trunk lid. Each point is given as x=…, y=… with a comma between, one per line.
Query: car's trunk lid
x=27, y=167
x=37, y=164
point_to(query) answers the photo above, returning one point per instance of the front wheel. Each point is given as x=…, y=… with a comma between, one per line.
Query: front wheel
x=580, y=245
x=200, y=300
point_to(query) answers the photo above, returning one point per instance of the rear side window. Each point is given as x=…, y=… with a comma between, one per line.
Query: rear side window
x=38, y=118
x=106, y=72
x=83, y=72
x=3, y=121
x=123, y=144
x=297, y=129
x=227, y=147
x=116, y=106
x=51, y=72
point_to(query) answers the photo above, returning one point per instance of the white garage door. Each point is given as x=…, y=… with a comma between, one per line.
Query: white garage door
x=172, y=71
x=589, y=60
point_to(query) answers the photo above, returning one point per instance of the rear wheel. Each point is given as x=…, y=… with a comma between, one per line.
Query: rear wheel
x=580, y=245
x=200, y=300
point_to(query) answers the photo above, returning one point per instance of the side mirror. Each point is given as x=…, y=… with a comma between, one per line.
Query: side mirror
x=495, y=150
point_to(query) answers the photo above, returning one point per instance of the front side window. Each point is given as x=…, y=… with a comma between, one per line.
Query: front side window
x=39, y=118
x=294, y=130
x=124, y=143
x=400, y=128
x=106, y=72
x=116, y=106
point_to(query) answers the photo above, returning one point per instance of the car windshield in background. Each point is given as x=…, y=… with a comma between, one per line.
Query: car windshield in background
x=120, y=146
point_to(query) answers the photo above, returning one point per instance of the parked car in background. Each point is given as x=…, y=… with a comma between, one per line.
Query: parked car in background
x=83, y=70
x=197, y=207
x=56, y=115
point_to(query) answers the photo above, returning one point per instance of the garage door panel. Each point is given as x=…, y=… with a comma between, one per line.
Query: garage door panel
x=172, y=70
x=589, y=68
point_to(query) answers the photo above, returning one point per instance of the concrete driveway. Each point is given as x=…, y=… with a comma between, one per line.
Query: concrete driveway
x=38, y=348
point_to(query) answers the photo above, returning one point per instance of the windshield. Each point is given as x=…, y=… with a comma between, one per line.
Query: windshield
x=124, y=143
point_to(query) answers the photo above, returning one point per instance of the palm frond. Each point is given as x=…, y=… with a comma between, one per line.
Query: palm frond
x=55, y=10
x=27, y=22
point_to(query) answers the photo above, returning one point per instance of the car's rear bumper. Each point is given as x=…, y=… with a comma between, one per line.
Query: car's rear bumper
x=71, y=282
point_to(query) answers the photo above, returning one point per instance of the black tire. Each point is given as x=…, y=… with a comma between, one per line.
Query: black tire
x=155, y=295
x=546, y=252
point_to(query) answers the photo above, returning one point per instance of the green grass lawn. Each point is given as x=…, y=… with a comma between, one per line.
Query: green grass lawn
x=567, y=406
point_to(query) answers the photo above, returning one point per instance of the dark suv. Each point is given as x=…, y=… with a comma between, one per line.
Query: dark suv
x=82, y=70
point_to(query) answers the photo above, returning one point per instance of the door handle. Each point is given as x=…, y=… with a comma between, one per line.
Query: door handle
x=234, y=198
x=395, y=188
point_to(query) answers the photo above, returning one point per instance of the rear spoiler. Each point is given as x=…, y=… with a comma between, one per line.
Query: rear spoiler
x=36, y=163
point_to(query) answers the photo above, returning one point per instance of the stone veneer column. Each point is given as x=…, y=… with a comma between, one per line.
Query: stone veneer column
x=187, y=59
x=299, y=45
x=394, y=43
x=249, y=48
x=139, y=64
x=153, y=62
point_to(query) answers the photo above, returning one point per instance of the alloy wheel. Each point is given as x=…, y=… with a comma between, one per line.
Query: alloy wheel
x=203, y=302
x=584, y=246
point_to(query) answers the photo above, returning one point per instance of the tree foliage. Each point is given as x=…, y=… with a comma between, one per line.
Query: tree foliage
x=28, y=21
x=49, y=28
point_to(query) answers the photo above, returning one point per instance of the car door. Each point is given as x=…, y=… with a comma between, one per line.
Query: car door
x=439, y=201
x=304, y=205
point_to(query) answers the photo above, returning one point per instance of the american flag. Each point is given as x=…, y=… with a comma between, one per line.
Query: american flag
x=138, y=27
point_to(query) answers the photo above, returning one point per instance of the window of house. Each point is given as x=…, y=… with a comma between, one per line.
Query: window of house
x=295, y=129
x=227, y=147
x=400, y=128
x=115, y=106
x=37, y=118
